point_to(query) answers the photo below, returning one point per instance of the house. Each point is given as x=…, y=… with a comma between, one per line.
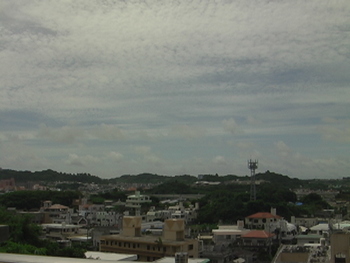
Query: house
x=305, y=221
x=320, y=229
x=257, y=238
x=262, y=220
x=54, y=212
x=308, y=239
x=228, y=234
x=7, y=185
x=61, y=232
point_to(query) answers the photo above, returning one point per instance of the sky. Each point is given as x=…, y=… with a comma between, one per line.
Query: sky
x=111, y=87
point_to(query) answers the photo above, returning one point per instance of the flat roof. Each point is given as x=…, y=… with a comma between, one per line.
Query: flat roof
x=59, y=226
x=110, y=256
x=190, y=260
x=19, y=258
x=145, y=239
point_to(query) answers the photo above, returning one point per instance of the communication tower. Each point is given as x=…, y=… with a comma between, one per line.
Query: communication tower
x=252, y=165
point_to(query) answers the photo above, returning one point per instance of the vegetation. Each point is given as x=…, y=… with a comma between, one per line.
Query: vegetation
x=28, y=200
x=47, y=176
x=25, y=238
x=172, y=187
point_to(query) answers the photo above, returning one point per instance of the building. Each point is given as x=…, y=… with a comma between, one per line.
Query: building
x=7, y=185
x=305, y=221
x=62, y=233
x=54, y=212
x=136, y=200
x=149, y=247
x=257, y=238
x=302, y=254
x=229, y=234
x=340, y=247
x=262, y=220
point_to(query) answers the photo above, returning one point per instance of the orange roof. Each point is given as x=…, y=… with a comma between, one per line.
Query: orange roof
x=258, y=234
x=264, y=215
x=58, y=206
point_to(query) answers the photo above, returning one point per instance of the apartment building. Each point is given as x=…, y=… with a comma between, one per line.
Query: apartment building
x=149, y=247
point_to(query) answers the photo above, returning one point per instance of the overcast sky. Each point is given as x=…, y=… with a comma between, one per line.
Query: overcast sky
x=175, y=87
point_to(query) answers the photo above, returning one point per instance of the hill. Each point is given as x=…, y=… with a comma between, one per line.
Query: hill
x=143, y=178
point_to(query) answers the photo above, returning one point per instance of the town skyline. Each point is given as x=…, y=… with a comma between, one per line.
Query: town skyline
x=112, y=88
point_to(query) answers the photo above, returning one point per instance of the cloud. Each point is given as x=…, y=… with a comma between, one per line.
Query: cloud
x=169, y=83
x=142, y=150
x=187, y=131
x=73, y=133
x=219, y=160
x=116, y=156
x=82, y=161
x=107, y=132
x=336, y=130
x=231, y=126
x=65, y=134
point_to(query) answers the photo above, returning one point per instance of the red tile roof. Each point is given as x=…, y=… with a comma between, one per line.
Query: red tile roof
x=264, y=215
x=58, y=206
x=258, y=234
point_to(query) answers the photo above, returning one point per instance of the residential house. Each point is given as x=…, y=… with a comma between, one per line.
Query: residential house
x=257, y=238
x=262, y=220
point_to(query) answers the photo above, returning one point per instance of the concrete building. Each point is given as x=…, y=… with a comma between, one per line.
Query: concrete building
x=340, y=247
x=262, y=220
x=302, y=254
x=61, y=233
x=149, y=247
x=135, y=201
x=7, y=185
x=257, y=238
x=229, y=234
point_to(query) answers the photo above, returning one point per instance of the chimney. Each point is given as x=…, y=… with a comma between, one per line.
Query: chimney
x=240, y=224
x=273, y=211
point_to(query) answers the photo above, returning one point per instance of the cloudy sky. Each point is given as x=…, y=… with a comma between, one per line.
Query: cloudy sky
x=175, y=87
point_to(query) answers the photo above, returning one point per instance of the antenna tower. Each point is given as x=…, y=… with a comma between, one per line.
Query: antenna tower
x=252, y=165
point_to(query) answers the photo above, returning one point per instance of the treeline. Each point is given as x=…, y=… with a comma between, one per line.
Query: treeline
x=48, y=176
x=66, y=179
x=30, y=200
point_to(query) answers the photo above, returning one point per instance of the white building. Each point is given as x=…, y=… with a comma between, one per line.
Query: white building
x=135, y=201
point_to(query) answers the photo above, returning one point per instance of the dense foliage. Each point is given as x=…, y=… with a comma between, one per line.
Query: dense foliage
x=28, y=200
x=48, y=176
x=172, y=187
x=25, y=238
